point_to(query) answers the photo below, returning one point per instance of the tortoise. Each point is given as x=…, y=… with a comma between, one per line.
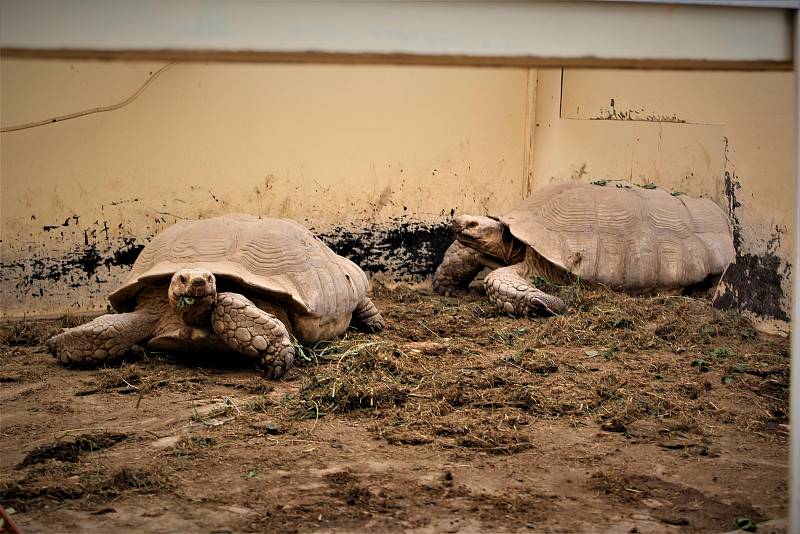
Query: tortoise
x=633, y=238
x=235, y=282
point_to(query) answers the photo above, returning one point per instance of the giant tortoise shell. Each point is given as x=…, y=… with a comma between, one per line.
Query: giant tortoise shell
x=613, y=233
x=625, y=236
x=274, y=257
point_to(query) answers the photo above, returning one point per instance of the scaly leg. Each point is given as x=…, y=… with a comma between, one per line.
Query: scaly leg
x=367, y=315
x=105, y=337
x=250, y=330
x=459, y=266
x=510, y=289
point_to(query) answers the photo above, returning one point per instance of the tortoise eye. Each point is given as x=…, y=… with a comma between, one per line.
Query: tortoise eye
x=473, y=224
x=184, y=279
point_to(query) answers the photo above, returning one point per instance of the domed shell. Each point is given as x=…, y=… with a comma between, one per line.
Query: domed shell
x=275, y=257
x=623, y=235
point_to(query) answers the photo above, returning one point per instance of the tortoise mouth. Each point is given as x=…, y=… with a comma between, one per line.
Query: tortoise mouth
x=190, y=298
x=194, y=292
x=466, y=239
x=192, y=305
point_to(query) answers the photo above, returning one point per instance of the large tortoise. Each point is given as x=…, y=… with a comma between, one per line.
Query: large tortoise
x=232, y=282
x=627, y=237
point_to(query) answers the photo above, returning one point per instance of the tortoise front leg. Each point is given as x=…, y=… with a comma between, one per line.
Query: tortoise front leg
x=367, y=315
x=459, y=266
x=105, y=337
x=509, y=288
x=246, y=328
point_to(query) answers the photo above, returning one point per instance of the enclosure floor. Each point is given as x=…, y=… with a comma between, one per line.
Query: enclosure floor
x=627, y=414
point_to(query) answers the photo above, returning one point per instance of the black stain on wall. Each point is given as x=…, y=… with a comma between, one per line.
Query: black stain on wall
x=77, y=268
x=753, y=281
x=410, y=251
x=50, y=227
x=613, y=114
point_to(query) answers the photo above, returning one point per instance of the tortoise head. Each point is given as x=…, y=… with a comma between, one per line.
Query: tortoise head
x=192, y=293
x=484, y=234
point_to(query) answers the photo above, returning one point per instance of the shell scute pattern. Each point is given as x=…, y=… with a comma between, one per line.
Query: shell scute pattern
x=209, y=242
x=613, y=250
x=272, y=253
x=570, y=213
x=268, y=255
x=705, y=216
x=641, y=262
x=625, y=236
x=616, y=216
x=670, y=261
x=668, y=218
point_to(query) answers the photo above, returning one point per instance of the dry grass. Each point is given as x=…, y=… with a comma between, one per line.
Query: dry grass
x=461, y=374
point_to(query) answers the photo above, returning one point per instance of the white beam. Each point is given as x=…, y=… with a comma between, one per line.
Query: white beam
x=534, y=33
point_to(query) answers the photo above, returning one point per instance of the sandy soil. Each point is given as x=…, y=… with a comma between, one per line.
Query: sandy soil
x=629, y=414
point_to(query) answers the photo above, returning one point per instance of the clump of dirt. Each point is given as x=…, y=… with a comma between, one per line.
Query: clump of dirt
x=675, y=504
x=138, y=480
x=32, y=491
x=347, y=488
x=23, y=497
x=141, y=377
x=70, y=451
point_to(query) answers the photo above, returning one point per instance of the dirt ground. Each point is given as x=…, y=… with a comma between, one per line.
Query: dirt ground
x=628, y=414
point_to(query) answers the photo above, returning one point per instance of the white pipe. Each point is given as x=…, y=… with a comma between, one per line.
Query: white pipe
x=794, y=381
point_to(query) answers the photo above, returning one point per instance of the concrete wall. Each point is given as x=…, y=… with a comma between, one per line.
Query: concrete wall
x=728, y=136
x=375, y=159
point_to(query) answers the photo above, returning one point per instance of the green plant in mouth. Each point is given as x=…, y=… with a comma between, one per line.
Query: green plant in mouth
x=184, y=302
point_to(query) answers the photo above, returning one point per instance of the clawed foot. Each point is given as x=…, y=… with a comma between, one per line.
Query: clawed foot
x=513, y=294
x=247, y=329
x=368, y=317
x=105, y=337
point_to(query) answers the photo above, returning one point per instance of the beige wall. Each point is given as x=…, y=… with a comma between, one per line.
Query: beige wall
x=364, y=154
x=331, y=146
x=728, y=136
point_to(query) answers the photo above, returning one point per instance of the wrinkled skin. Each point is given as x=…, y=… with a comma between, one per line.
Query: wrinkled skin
x=193, y=316
x=485, y=242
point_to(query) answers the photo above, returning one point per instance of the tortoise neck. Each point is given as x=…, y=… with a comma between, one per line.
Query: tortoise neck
x=198, y=314
x=511, y=250
x=193, y=311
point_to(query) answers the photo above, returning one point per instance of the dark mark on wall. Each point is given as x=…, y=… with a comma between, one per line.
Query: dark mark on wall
x=731, y=186
x=49, y=227
x=753, y=281
x=127, y=254
x=409, y=250
x=78, y=268
x=123, y=202
x=612, y=114
x=209, y=191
